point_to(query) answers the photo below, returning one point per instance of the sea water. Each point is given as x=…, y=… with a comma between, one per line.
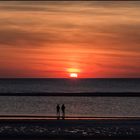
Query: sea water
x=68, y=85
x=75, y=106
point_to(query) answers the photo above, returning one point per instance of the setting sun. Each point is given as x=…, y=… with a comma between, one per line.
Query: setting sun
x=73, y=75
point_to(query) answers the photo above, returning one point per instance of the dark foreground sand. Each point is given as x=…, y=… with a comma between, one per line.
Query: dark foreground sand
x=70, y=128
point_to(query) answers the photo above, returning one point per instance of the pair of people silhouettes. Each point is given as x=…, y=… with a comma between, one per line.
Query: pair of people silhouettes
x=58, y=111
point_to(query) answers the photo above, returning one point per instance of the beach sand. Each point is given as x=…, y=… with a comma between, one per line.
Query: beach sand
x=41, y=127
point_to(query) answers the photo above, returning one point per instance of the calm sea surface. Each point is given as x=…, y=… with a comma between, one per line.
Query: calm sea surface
x=75, y=106
x=68, y=85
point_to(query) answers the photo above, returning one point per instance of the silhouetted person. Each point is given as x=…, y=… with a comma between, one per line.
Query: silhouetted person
x=58, y=111
x=63, y=111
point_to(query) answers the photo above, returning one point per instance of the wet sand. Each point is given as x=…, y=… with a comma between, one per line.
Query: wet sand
x=39, y=127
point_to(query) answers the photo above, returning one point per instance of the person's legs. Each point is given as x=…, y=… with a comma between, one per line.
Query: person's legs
x=58, y=115
x=63, y=115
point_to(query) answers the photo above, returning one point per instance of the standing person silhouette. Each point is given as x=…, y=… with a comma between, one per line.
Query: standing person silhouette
x=58, y=111
x=63, y=111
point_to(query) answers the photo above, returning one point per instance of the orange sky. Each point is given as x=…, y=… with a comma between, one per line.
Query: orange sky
x=53, y=39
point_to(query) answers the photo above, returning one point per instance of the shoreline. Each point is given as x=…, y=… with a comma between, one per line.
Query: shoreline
x=80, y=94
x=44, y=117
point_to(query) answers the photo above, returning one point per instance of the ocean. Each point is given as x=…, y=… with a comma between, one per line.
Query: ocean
x=75, y=106
x=83, y=106
x=68, y=85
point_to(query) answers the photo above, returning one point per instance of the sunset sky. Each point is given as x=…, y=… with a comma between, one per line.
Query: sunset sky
x=54, y=39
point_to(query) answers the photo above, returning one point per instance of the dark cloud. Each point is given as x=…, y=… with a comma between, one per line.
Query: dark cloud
x=21, y=8
x=126, y=35
x=114, y=4
x=86, y=7
x=22, y=38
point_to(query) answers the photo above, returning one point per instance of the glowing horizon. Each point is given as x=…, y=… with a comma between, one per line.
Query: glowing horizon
x=51, y=39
